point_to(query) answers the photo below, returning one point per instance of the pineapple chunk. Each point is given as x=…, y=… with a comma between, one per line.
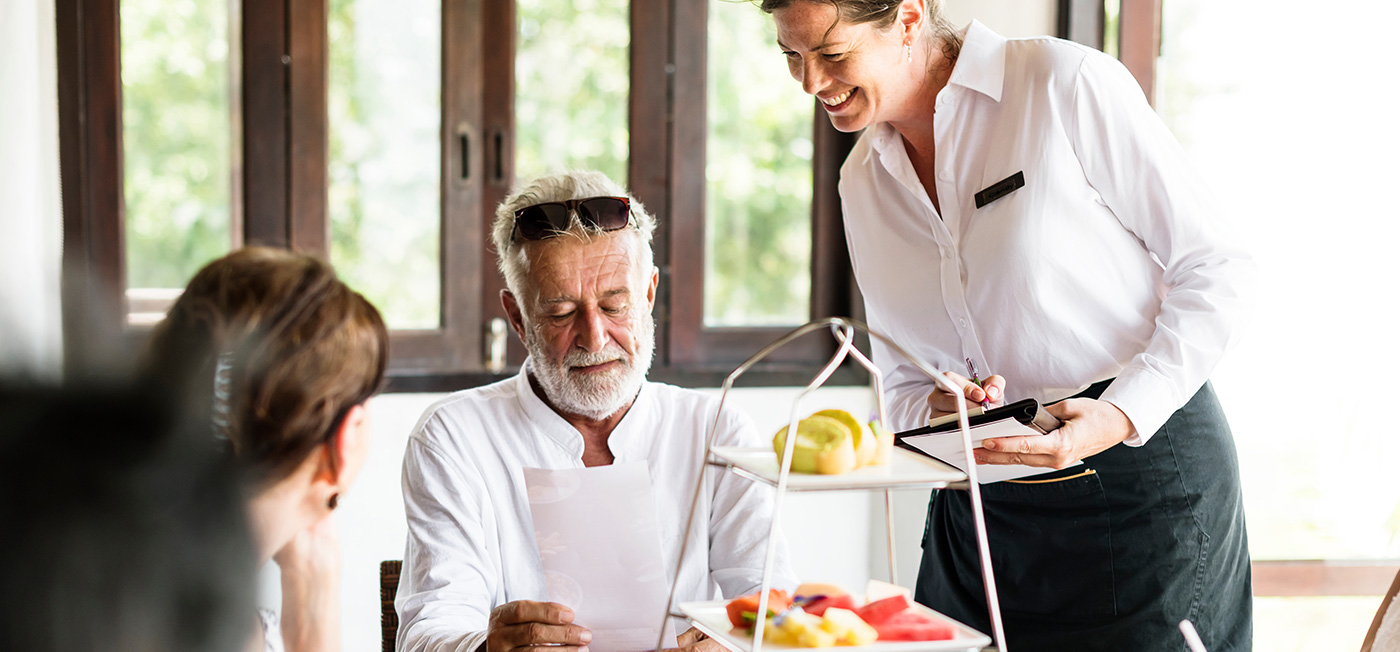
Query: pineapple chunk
x=805, y=629
x=847, y=627
x=776, y=635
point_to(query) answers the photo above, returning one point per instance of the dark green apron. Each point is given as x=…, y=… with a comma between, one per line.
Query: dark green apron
x=1109, y=555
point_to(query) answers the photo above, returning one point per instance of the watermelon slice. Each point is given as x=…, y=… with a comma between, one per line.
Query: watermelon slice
x=911, y=625
x=880, y=610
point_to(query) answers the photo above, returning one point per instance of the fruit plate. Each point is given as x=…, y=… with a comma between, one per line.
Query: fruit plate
x=712, y=619
x=906, y=470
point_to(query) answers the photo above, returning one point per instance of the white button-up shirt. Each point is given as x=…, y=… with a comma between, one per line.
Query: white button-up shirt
x=471, y=543
x=1110, y=262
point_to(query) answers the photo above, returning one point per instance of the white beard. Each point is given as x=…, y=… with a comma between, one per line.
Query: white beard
x=595, y=395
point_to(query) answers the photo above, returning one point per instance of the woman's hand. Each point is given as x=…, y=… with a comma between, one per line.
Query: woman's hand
x=1089, y=426
x=942, y=403
x=310, y=565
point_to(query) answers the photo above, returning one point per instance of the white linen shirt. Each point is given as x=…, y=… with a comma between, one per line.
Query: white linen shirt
x=1109, y=262
x=471, y=542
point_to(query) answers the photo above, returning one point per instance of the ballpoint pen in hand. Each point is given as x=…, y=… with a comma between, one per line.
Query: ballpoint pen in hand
x=972, y=369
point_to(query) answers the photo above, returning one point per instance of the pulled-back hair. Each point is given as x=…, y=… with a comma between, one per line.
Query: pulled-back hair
x=881, y=14
x=294, y=349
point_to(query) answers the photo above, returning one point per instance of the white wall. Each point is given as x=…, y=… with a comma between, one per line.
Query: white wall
x=1014, y=18
x=30, y=215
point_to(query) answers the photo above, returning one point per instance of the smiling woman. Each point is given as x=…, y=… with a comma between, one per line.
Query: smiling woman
x=983, y=161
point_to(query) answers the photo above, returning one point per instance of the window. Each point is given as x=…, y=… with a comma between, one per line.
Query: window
x=178, y=102
x=383, y=135
x=384, y=162
x=758, y=176
x=571, y=116
x=1319, y=478
x=1322, y=516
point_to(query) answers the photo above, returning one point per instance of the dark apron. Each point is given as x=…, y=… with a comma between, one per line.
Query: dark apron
x=1109, y=555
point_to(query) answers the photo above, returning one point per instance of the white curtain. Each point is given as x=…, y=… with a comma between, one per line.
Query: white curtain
x=31, y=224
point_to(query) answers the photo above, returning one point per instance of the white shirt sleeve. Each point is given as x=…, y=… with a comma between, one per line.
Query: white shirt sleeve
x=1135, y=164
x=740, y=514
x=449, y=578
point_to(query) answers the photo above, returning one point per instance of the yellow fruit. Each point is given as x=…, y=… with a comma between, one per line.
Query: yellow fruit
x=884, y=443
x=865, y=445
x=777, y=636
x=809, y=589
x=823, y=445
x=847, y=627
x=806, y=629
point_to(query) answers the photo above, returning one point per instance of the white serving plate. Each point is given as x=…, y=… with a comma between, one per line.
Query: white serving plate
x=906, y=470
x=712, y=619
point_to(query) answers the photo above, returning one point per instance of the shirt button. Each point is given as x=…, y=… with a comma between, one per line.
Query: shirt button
x=962, y=322
x=945, y=175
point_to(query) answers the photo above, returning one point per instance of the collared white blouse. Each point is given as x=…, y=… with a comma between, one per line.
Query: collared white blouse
x=1109, y=262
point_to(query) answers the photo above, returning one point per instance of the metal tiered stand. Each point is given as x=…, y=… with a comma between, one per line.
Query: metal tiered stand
x=905, y=470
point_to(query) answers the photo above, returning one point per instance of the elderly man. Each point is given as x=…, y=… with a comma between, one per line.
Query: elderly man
x=575, y=251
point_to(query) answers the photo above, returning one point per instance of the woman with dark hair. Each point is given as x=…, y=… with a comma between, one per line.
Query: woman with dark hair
x=281, y=356
x=1015, y=207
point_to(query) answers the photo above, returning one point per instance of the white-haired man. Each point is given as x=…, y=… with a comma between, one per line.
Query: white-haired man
x=575, y=250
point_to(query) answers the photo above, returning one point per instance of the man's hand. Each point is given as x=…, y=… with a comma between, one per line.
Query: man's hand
x=941, y=403
x=1089, y=426
x=524, y=623
x=693, y=640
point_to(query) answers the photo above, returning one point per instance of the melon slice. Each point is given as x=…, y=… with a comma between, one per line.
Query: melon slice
x=824, y=445
x=865, y=445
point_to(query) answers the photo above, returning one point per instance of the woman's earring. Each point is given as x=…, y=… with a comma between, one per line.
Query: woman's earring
x=908, y=53
x=334, y=501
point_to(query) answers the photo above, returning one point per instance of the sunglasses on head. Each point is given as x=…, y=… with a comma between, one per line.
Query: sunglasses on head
x=543, y=221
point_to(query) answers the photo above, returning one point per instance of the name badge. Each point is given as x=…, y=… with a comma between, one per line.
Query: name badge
x=1000, y=189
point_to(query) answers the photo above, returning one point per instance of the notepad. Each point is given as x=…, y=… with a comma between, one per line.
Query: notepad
x=941, y=439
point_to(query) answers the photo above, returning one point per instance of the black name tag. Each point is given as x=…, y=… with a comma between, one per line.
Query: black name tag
x=1000, y=189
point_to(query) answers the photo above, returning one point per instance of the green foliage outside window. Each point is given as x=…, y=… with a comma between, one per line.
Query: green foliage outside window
x=571, y=76
x=385, y=111
x=176, y=138
x=758, y=173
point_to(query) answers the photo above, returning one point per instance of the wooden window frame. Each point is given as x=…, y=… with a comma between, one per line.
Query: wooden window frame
x=666, y=124
x=280, y=175
x=280, y=169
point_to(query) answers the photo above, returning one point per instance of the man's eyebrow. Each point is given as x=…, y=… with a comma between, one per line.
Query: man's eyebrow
x=566, y=299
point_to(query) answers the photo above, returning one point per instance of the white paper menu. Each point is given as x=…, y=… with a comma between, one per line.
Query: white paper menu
x=600, y=545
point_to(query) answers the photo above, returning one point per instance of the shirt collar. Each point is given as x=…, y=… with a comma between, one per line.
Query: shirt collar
x=981, y=61
x=981, y=67
x=626, y=437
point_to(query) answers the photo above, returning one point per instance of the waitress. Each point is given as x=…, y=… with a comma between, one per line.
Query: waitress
x=1016, y=205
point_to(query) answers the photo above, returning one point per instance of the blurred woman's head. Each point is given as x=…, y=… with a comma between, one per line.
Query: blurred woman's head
x=281, y=356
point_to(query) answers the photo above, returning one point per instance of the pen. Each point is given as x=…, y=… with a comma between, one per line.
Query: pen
x=972, y=369
x=1193, y=640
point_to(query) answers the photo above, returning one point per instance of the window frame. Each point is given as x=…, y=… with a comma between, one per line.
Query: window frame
x=280, y=196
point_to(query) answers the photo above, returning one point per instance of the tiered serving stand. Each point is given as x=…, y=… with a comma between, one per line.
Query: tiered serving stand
x=906, y=470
